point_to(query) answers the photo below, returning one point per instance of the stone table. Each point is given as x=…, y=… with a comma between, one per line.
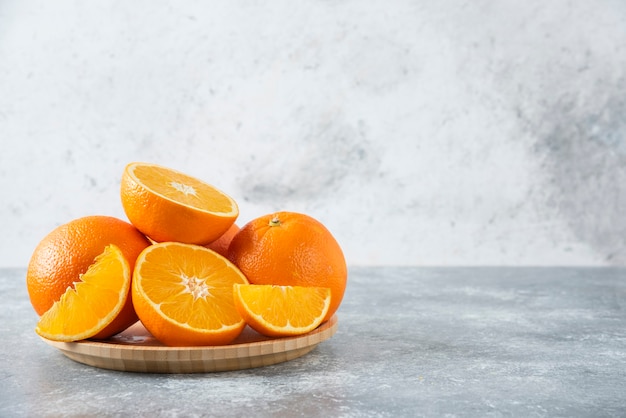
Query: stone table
x=411, y=342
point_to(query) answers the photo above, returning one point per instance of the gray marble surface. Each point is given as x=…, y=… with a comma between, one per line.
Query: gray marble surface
x=411, y=342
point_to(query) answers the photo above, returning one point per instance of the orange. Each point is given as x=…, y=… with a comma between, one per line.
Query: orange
x=183, y=295
x=221, y=244
x=291, y=249
x=67, y=252
x=96, y=299
x=280, y=311
x=167, y=205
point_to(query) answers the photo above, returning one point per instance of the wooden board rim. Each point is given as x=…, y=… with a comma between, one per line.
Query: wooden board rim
x=163, y=359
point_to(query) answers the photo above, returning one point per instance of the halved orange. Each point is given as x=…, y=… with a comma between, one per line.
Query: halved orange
x=183, y=295
x=95, y=301
x=167, y=205
x=279, y=311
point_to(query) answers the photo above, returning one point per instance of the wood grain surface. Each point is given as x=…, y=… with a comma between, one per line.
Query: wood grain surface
x=136, y=350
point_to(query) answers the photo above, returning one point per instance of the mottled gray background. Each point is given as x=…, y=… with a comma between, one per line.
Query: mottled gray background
x=423, y=133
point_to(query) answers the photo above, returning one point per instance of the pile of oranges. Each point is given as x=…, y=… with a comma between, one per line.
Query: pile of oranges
x=184, y=268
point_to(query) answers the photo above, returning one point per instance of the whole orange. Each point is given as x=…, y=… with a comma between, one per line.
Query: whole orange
x=291, y=249
x=67, y=252
x=221, y=244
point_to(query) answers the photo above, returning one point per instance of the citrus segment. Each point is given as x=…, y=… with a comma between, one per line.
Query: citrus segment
x=291, y=249
x=182, y=294
x=168, y=205
x=278, y=311
x=94, y=302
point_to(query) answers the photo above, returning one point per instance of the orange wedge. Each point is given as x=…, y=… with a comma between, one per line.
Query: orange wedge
x=94, y=302
x=183, y=295
x=279, y=311
x=167, y=205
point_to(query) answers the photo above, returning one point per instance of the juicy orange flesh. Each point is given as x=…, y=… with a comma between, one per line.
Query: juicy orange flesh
x=285, y=307
x=93, y=303
x=183, y=189
x=191, y=287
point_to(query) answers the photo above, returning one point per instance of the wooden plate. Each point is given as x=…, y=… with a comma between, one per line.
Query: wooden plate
x=136, y=350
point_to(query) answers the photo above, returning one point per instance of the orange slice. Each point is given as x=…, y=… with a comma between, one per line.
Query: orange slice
x=278, y=311
x=167, y=205
x=183, y=295
x=93, y=303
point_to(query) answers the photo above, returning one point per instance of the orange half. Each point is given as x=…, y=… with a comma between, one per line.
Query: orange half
x=183, y=295
x=94, y=302
x=167, y=205
x=279, y=311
